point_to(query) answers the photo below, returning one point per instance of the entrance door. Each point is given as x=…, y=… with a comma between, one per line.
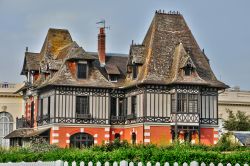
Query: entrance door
x=80, y=140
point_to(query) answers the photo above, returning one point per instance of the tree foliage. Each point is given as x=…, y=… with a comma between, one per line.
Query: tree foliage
x=237, y=122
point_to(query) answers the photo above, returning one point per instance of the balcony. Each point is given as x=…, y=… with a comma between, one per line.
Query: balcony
x=23, y=123
x=181, y=118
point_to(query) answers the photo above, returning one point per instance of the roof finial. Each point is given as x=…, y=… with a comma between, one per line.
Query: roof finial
x=132, y=42
x=26, y=49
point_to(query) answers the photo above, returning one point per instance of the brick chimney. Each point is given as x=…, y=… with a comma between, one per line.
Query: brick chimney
x=101, y=46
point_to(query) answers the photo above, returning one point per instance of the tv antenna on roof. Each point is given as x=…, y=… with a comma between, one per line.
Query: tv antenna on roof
x=102, y=24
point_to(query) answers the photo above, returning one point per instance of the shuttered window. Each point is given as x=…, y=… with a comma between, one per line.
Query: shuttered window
x=82, y=71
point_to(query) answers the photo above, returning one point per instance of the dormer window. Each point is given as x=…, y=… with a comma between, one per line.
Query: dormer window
x=82, y=68
x=113, y=78
x=188, y=69
x=135, y=71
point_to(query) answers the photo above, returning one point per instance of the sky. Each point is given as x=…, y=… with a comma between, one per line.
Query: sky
x=221, y=27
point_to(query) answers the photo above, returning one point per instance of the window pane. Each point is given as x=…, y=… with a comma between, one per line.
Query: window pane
x=133, y=103
x=113, y=106
x=82, y=105
x=82, y=71
x=135, y=71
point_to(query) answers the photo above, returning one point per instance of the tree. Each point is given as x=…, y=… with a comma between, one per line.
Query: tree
x=237, y=122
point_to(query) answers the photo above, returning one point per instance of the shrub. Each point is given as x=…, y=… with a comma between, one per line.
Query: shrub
x=118, y=151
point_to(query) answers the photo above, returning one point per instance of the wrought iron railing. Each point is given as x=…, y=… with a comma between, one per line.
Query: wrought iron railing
x=210, y=121
x=24, y=123
x=83, y=116
x=183, y=118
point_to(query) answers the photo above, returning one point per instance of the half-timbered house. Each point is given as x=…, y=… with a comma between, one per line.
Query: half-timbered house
x=162, y=90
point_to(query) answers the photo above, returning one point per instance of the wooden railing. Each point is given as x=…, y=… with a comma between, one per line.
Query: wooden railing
x=185, y=117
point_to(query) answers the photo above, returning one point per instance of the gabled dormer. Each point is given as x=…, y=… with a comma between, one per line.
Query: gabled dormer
x=136, y=60
x=113, y=72
x=188, y=67
x=183, y=68
x=79, y=62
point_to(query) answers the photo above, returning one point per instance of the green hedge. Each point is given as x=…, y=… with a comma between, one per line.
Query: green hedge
x=171, y=154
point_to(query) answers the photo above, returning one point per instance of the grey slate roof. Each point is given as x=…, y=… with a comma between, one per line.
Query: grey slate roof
x=31, y=62
x=165, y=33
x=166, y=48
x=243, y=137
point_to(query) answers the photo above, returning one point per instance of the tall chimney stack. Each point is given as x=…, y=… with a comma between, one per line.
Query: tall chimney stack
x=101, y=46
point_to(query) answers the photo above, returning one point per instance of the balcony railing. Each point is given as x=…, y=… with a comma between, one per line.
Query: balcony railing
x=131, y=116
x=118, y=119
x=23, y=123
x=185, y=118
x=83, y=116
x=179, y=118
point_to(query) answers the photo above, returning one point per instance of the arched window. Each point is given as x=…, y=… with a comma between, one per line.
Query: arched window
x=6, y=126
x=80, y=140
x=133, y=138
x=117, y=136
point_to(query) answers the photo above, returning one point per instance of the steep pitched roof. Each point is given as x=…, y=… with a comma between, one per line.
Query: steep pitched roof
x=165, y=33
x=55, y=39
x=167, y=47
x=180, y=59
x=31, y=62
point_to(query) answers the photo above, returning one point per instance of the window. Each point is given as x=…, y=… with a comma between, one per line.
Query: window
x=82, y=106
x=113, y=106
x=192, y=103
x=32, y=109
x=188, y=136
x=133, y=138
x=6, y=126
x=135, y=71
x=188, y=70
x=117, y=136
x=80, y=140
x=41, y=108
x=113, y=78
x=48, y=107
x=122, y=106
x=82, y=71
x=181, y=102
x=133, y=105
x=187, y=103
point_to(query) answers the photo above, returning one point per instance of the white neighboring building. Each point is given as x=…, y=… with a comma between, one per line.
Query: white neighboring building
x=11, y=106
x=234, y=99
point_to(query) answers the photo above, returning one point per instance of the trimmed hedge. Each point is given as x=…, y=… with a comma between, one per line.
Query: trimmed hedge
x=111, y=153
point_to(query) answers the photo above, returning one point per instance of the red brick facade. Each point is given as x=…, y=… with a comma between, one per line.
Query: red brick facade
x=145, y=134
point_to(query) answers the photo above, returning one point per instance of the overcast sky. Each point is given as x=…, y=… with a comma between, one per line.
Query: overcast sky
x=221, y=27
